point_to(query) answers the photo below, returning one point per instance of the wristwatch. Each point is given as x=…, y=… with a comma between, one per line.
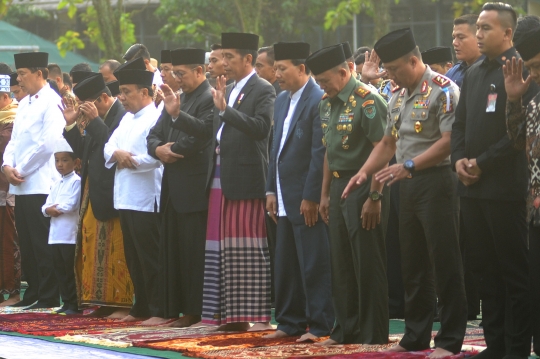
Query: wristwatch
x=375, y=195
x=409, y=166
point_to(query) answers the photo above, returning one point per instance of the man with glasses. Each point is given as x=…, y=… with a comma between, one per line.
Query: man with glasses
x=184, y=199
x=30, y=170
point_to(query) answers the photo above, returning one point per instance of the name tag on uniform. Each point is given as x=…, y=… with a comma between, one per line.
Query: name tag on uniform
x=492, y=101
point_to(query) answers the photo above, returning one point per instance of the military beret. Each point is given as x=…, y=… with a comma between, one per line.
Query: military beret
x=135, y=77
x=31, y=59
x=325, y=59
x=291, y=51
x=166, y=57
x=240, y=41
x=187, y=56
x=13, y=79
x=114, y=87
x=347, y=49
x=78, y=76
x=436, y=55
x=529, y=44
x=395, y=44
x=134, y=64
x=90, y=88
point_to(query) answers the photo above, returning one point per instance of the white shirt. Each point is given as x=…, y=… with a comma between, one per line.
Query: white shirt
x=286, y=124
x=135, y=189
x=232, y=97
x=38, y=125
x=158, y=81
x=66, y=193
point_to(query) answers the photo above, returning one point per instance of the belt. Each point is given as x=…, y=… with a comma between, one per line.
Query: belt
x=341, y=174
x=430, y=170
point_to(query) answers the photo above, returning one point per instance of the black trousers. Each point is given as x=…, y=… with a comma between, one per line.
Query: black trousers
x=64, y=267
x=431, y=260
x=271, y=231
x=141, y=248
x=470, y=277
x=36, y=254
x=498, y=233
x=534, y=267
x=359, y=285
x=182, y=249
x=303, y=279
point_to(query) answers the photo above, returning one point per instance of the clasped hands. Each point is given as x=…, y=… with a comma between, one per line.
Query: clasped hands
x=468, y=171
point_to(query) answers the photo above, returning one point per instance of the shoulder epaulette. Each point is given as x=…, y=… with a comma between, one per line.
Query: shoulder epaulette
x=441, y=80
x=325, y=96
x=362, y=92
x=396, y=89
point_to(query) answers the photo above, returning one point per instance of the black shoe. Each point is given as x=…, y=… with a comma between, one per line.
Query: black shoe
x=513, y=356
x=41, y=305
x=22, y=303
x=489, y=354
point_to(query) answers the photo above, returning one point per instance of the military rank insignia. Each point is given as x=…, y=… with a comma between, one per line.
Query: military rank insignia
x=362, y=92
x=325, y=96
x=370, y=111
x=441, y=81
x=424, y=87
x=396, y=89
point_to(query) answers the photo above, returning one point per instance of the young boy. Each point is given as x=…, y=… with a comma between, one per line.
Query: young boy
x=63, y=206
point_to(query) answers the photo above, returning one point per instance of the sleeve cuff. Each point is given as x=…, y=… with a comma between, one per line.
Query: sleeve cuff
x=68, y=128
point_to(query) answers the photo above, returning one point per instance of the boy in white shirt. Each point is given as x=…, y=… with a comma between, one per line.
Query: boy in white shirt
x=63, y=206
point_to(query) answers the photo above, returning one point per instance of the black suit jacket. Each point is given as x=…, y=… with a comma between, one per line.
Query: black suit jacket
x=184, y=181
x=301, y=159
x=90, y=149
x=244, y=139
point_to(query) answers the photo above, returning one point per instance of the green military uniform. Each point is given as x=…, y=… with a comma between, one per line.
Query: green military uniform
x=351, y=122
x=428, y=218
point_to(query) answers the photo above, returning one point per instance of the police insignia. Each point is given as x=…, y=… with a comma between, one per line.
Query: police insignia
x=370, y=111
x=362, y=92
x=441, y=81
x=396, y=89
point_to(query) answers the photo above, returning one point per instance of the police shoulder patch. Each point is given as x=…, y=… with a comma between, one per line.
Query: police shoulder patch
x=325, y=96
x=441, y=80
x=362, y=92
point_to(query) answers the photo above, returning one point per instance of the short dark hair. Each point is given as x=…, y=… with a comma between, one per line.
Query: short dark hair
x=149, y=88
x=298, y=62
x=5, y=69
x=54, y=70
x=54, y=86
x=83, y=66
x=469, y=19
x=414, y=52
x=269, y=50
x=111, y=64
x=71, y=154
x=67, y=79
x=44, y=71
x=214, y=47
x=503, y=9
x=525, y=24
x=244, y=52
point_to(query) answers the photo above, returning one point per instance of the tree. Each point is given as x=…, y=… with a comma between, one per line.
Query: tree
x=108, y=27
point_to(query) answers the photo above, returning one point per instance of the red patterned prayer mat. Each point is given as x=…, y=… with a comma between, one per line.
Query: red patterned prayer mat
x=126, y=337
x=475, y=336
x=54, y=324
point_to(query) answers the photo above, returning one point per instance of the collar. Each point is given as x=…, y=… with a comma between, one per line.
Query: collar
x=109, y=110
x=144, y=111
x=464, y=66
x=240, y=84
x=425, y=78
x=296, y=96
x=68, y=175
x=501, y=59
x=203, y=86
x=343, y=95
x=39, y=93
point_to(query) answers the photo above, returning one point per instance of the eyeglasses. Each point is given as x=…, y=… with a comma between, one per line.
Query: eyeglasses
x=180, y=74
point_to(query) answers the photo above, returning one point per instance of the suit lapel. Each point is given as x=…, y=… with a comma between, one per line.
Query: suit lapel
x=278, y=129
x=113, y=114
x=299, y=109
x=245, y=91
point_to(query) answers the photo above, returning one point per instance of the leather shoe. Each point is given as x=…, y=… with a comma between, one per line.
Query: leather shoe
x=22, y=303
x=489, y=354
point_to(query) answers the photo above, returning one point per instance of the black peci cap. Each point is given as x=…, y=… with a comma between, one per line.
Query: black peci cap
x=90, y=88
x=325, y=59
x=529, y=44
x=291, y=51
x=188, y=56
x=13, y=79
x=134, y=64
x=436, y=55
x=31, y=59
x=240, y=41
x=347, y=49
x=166, y=56
x=135, y=77
x=114, y=87
x=395, y=44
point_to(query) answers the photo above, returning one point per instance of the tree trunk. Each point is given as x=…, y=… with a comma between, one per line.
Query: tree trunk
x=109, y=26
x=381, y=18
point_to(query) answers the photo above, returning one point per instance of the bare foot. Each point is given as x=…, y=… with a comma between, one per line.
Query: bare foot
x=233, y=327
x=104, y=312
x=276, y=335
x=130, y=318
x=259, y=327
x=307, y=337
x=155, y=321
x=440, y=353
x=119, y=314
x=183, y=322
x=11, y=300
x=327, y=343
x=396, y=349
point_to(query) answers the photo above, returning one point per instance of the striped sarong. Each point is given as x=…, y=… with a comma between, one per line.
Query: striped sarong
x=237, y=261
x=10, y=255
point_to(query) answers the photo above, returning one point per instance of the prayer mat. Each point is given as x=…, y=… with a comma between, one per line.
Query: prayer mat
x=126, y=337
x=475, y=337
x=55, y=325
x=19, y=310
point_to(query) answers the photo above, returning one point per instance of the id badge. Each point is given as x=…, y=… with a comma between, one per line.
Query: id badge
x=492, y=101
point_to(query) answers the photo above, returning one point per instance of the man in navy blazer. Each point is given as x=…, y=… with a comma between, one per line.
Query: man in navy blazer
x=293, y=190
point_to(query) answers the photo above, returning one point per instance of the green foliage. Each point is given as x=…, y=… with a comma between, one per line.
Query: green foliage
x=17, y=13
x=345, y=11
x=69, y=42
x=71, y=5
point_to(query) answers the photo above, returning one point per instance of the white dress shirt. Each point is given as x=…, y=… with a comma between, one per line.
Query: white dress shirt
x=286, y=124
x=135, y=189
x=158, y=81
x=66, y=193
x=37, y=127
x=232, y=97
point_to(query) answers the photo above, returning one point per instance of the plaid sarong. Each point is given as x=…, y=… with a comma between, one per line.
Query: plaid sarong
x=237, y=260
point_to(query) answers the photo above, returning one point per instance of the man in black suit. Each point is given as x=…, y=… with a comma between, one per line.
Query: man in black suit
x=103, y=113
x=237, y=289
x=184, y=199
x=293, y=191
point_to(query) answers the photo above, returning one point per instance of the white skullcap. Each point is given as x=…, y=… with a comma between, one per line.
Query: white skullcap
x=61, y=145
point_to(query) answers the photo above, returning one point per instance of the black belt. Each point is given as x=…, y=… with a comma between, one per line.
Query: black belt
x=341, y=174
